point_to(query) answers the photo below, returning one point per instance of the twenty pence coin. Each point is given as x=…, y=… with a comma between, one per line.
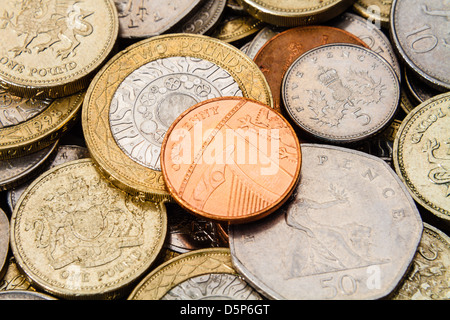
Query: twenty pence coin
x=51, y=49
x=200, y=274
x=116, y=165
x=278, y=54
x=350, y=231
x=230, y=146
x=421, y=156
x=76, y=236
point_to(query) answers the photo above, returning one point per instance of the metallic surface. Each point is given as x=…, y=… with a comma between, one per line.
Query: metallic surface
x=63, y=154
x=260, y=40
x=14, y=172
x=429, y=274
x=292, y=13
x=234, y=28
x=150, y=98
x=419, y=31
x=24, y=295
x=120, y=169
x=51, y=49
x=421, y=156
x=375, y=11
x=206, y=18
x=371, y=35
x=417, y=89
x=4, y=242
x=240, y=148
x=350, y=231
x=175, y=272
x=76, y=236
x=341, y=93
x=277, y=55
x=145, y=18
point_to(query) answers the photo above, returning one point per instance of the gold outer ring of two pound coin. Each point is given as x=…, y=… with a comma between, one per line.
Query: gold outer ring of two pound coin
x=115, y=165
x=42, y=130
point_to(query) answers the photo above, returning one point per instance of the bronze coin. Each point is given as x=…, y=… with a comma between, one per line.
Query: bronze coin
x=277, y=55
x=230, y=159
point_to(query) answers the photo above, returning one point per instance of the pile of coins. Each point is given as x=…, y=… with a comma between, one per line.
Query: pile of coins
x=213, y=149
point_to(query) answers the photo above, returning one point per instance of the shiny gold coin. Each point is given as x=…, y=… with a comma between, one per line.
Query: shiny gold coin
x=429, y=274
x=421, y=155
x=50, y=49
x=376, y=11
x=291, y=13
x=41, y=130
x=102, y=107
x=237, y=28
x=76, y=236
x=200, y=274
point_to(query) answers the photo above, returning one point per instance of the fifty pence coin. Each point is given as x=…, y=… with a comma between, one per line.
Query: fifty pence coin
x=419, y=31
x=76, y=236
x=14, y=172
x=145, y=18
x=4, y=241
x=291, y=13
x=371, y=35
x=421, y=155
x=429, y=274
x=63, y=154
x=230, y=146
x=205, y=274
x=350, y=231
x=341, y=93
x=51, y=49
x=132, y=102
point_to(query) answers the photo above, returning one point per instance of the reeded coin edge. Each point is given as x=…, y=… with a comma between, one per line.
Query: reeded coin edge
x=42, y=281
x=398, y=154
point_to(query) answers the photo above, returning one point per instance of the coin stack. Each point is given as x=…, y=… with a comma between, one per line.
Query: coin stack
x=224, y=149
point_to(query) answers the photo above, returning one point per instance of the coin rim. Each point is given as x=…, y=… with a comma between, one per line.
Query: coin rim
x=151, y=190
x=402, y=172
x=242, y=219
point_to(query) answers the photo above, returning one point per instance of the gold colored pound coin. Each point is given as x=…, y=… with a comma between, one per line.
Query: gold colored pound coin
x=135, y=98
x=50, y=49
x=421, y=155
x=76, y=236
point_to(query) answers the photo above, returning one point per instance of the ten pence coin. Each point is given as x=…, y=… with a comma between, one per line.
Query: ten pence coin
x=341, y=93
x=421, y=155
x=235, y=147
x=134, y=99
x=51, y=49
x=278, y=54
x=77, y=237
x=350, y=231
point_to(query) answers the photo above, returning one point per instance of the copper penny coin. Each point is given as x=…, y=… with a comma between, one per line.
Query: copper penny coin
x=277, y=55
x=231, y=159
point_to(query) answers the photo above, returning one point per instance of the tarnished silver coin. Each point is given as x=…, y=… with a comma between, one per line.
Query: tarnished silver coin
x=371, y=35
x=146, y=18
x=14, y=172
x=261, y=38
x=15, y=110
x=420, y=33
x=187, y=232
x=213, y=286
x=4, y=241
x=206, y=18
x=417, y=89
x=63, y=154
x=154, y=95
x=350, y=231
x=341, y=92
x=24, y=295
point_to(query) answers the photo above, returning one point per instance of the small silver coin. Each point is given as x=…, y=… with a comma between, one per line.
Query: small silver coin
x=420, y=33
x=350, y=231
x=341, y=93
x=154, y=95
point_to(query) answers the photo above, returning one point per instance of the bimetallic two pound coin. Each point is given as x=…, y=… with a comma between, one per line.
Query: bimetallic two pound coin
x=341, y=93
x=205, y=274
x=133, y=101
x=291, y=13
x=76, y=236
x=51, y=49
x=421, y=155
x=231, y=159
